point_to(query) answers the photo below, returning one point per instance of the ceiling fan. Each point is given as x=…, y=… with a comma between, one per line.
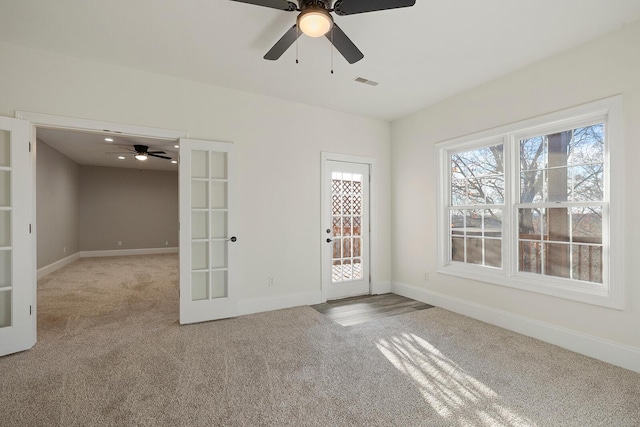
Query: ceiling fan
x=142, y=152
x=315, y=20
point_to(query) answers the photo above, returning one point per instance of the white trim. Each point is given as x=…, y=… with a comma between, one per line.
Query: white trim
x=49, y=120
x=57, y=265
x=128, y=252
x=607, y=351
x=258, y=305
x=373, y=217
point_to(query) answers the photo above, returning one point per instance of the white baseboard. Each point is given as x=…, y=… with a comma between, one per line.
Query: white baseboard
x=616, y=354
x=257, y=305
x=125, y=252
x=380, y=288
x=57, y=265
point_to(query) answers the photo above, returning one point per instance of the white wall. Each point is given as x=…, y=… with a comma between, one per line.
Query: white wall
x=58, y=205
x=602, y=68
x=278, y=152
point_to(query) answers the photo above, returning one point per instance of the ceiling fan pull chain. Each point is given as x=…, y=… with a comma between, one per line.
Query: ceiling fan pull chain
x=298, y=34
x=332, y=47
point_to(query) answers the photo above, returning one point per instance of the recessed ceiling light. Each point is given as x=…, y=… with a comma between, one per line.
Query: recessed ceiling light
x=109, y=139
x=177, y=146
x=121, y=157
x=174, y=161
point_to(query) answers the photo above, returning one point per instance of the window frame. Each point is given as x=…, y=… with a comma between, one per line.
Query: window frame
x=608, y=294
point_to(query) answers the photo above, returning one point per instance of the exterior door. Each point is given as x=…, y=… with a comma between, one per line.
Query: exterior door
x=206, y=227
x=17, y=254
x=346, y=229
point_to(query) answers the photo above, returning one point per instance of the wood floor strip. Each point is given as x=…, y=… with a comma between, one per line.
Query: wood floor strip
x=356, y=310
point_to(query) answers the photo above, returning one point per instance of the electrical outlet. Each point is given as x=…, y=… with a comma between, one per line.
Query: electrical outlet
x=64, y=249
x=119, y=242
x=272, y=281
x=166, y=243
x=426, y=276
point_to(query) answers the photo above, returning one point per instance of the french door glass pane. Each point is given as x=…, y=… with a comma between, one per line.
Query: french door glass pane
x=218, y=284
x=5, y=188
x=199, y=194
x=218, y=195
x=219, y=254
x=346, y=210
x=218, y=224
x=199, y=255
x=199, y=285
x=5, y=228
x=5, y=148
x=199, y=164
x=5, y=268
x=199, y=225
x=5, y=308
x=218, y=165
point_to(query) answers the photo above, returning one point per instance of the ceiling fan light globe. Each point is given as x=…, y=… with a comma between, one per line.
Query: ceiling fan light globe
x=315, y=23
x=141, y=157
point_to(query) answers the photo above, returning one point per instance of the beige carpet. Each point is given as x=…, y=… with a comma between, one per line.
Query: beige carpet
x=110, y=353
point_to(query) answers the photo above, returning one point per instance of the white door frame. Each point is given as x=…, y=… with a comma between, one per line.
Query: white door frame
x=373, y=217
x=72, y=123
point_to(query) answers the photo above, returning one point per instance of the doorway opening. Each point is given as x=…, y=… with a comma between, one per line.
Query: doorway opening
x=118, y=212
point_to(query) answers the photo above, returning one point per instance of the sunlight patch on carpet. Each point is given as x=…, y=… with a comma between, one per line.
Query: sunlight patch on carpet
x=444, y=385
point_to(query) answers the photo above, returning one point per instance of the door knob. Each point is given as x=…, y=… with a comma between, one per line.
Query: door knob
x=233, y=238
x=329, y=240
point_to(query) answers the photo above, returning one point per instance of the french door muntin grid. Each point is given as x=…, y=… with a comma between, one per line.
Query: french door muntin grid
x=346, y=219
x=6, y=249
x=209, y=258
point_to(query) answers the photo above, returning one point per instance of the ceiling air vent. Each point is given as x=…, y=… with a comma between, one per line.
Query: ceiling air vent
x=365, y=81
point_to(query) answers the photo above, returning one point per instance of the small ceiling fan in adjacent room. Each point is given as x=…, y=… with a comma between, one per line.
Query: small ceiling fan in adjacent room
x=141, y=152
x=315, y=20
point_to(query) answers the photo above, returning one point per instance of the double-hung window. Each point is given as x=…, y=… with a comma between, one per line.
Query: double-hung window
x=536, y=205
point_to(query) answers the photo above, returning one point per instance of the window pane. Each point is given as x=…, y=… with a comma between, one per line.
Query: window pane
x=587, y=145
x=493, y=252
x=587, y=263
x=530, y=257
x=557, y=222
x=586, y=224
x=556, y=259
x=532, y=187
x=459, y=192
x=530, y=223
x=473, y=222
x=587, y=182
x=493, y=189
x=457, y=249
x=493, y=222
x=558, y=184
x=533, y=153
x=474, y=251
x=478, y=162
x=457, y=222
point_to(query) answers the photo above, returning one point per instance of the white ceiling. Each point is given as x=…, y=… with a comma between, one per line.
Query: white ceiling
x=90, y=148
x=419, y=55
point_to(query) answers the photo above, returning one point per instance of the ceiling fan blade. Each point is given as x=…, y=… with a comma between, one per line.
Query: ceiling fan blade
x=283, y=44
x=129, y=149
x=274, y=4
x=157, y=155
x=156, y=152
x=344, y=45
x=351, y=7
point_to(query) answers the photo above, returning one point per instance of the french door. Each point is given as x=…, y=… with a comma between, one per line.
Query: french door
x=345, y=229
x=17, y=254
x=206, y=227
